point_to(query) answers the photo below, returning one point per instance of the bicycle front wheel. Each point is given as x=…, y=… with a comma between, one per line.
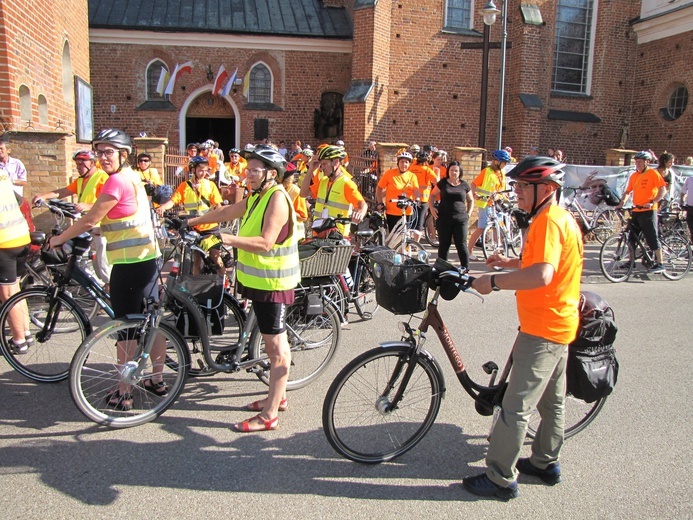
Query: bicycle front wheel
x=606, y=223
x=99, y=367
x=48, y=359
x=411, y=248
x=578, y=415
x=493, y=241
x=616, y=258
x=356, y=414
x=313, y=341
x=676, y=257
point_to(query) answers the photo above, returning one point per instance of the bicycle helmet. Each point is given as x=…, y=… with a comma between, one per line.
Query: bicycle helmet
x=644, y=154
x=162, y=194
x=329, y=153
x=143, y=156
x=308, y=153
x=415, y=148
x=234, y=150
x=205, y=146
x=196, y=161
x=191, y=145
x=267, y=155
x=115, y=138
x=536, y=169
x=290, y=170
x=339, y=142
x=84, y=155
x=501, y=155
x=404, y=155
x=422, y=157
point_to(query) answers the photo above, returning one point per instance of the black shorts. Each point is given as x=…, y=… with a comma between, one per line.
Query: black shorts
x=271, y=317
x=13, y=264
x=131, y=284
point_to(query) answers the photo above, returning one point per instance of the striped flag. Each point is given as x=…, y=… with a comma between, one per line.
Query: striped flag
x=177, y=73
x=229, y=84
x=246, y=84
x=219, y=80
x=163, y=79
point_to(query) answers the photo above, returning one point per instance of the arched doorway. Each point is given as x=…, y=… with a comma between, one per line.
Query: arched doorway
x=204, y=116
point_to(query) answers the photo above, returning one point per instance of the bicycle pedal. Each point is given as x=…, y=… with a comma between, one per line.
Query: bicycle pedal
x=490, y=367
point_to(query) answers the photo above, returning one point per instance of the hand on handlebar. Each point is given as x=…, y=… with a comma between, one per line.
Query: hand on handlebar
x=482, y=284
x=179, y=224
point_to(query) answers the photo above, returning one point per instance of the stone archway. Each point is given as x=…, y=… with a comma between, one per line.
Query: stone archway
x=204, y=116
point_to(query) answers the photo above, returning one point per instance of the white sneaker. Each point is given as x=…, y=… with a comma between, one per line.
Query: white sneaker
x=473, y=258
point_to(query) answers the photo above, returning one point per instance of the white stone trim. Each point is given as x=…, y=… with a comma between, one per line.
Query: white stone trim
x=219, y=41
x=184, y=112
x=664, y=26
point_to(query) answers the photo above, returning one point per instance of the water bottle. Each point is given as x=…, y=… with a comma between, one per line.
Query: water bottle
x=348, y=279
x=397, y=260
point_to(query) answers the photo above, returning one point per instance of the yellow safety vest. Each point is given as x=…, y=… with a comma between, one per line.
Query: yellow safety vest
x=335, y=202
x=88, y=193
x=198, y=203
x=13, y=225
x=277, y=269
x=131, y=239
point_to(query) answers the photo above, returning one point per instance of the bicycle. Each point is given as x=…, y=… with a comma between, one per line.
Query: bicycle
x=619, y=253
x=430, y=229
x=602, y=224
x=53, y=318
x=384, y=401
x=400, y=237
x=502, y=234
x=313, y=330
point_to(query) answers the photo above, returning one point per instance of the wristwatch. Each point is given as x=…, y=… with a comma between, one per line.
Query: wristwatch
x=493, y=283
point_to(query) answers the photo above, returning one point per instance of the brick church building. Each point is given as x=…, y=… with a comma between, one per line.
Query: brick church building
x=582, y=75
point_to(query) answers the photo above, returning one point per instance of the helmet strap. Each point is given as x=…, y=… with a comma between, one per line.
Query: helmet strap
x=538, y=206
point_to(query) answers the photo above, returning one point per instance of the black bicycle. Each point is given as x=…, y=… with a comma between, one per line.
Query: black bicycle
x=385, y=401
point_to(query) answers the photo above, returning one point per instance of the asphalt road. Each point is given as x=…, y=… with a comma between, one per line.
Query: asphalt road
x=630, y=463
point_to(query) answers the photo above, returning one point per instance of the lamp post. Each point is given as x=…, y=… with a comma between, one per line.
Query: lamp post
x=489, y=13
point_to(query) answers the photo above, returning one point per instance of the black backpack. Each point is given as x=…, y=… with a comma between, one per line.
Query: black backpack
x=592, y=365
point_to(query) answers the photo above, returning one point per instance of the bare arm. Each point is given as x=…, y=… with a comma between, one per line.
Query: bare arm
x=435, y=194
x=60, y=194
x=531, y=277
x=276, y=216
x=470, y=202
x=221, y=214
x=101, y=207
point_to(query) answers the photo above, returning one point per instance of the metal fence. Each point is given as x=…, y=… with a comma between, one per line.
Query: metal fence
x=175, y=164
x=366, y=172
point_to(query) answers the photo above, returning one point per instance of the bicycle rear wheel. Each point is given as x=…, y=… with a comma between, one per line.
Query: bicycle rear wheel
x=313, y=341
x=676, y=257
x=578, y=415
x=95, y=372
x=493, y=241
x=617, y=258
x=355, y=416
x=48, y=359
x=606, y=223
x=430, y=230
x=365, y=302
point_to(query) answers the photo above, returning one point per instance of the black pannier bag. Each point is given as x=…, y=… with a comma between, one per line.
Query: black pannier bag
x=592, y=365
x=609, y=197
x=208, y=291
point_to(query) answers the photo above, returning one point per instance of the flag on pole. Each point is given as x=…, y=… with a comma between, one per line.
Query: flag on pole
x=163, y=79
x=177, y=73
x=246, y=84
x=219, y=80
x=229, y=84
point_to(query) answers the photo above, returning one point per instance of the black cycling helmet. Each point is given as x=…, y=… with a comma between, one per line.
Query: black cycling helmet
x=162, y=194
x=116, y=138
x=267, y=155
x=537, y=169
x=192, y=145
x=196, y=161
x=234, y=150
x=144, y=155
x=422, y=156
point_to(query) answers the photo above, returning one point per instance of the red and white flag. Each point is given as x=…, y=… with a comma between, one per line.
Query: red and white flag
x=229, y=84
x=219, y=80
x=177, y=73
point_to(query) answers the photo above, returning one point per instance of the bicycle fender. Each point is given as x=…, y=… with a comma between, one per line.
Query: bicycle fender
x=423, y=353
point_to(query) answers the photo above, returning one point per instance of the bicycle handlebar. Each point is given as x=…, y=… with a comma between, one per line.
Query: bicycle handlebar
x=59, y=207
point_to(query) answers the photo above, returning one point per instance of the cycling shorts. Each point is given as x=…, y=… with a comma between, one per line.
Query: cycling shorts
x=271, y=317
x=13, y=264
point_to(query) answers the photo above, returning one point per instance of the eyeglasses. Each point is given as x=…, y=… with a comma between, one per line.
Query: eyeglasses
x=108, y=153
x=257, y=171
x=144, y=160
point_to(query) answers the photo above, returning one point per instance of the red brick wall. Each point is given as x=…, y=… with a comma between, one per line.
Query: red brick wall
x=300, y=79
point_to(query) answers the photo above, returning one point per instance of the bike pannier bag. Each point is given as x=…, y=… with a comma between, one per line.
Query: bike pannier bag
x=609, y=197
x=208, y=291
x=592, y=369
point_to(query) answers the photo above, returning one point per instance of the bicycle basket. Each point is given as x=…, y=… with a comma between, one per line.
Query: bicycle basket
x=320, y=259
x=400, y=288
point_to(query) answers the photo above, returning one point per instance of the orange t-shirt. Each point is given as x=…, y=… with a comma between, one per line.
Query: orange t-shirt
x=645, y=186
x=551, y=312
x=395, y=184
x=426, y=178
x=443, y=172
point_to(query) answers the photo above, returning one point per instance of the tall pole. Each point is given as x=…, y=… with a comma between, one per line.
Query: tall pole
x=504, y=39
x=484, y=88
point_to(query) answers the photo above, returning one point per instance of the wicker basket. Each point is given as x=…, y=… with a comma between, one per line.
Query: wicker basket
x=401, y=288
x=326, y=261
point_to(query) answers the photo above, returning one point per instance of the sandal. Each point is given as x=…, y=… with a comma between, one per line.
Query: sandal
x=160, y=389
x=17, y=348
x=267, y=424
x=119, y=401
x=257, y=406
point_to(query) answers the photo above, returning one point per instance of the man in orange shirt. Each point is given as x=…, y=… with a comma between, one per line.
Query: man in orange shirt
x=647, y=187
x=547, y=289
x=426, y=178
x=394, y=183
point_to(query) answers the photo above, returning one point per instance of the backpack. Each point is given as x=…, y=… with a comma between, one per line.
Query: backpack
x=592, y=369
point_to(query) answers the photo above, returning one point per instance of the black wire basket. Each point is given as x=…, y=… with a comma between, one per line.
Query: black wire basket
x=401, y=282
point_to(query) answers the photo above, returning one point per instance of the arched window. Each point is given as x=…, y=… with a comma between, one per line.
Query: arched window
x=43, y=109
x=153, y=76
x=260, y=84
x=24, y=103
x=68, y=86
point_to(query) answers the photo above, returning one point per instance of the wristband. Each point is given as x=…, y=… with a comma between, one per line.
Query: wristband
x=494, y=287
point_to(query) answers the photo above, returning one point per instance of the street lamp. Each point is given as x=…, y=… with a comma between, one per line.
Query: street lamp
x=489, y=13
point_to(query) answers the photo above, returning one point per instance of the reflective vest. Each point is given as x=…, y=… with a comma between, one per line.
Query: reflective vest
x=492, y=181
x=87, y=192
x=13, y=225
x=334, y=200
x=131, y=239
x=198, y=202
x=277, y=269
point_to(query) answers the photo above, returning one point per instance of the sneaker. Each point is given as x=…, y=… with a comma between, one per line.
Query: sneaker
x=473, y=258
x=17, y=348
x=483, y=486
x=657, y=268
x=550, y=475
